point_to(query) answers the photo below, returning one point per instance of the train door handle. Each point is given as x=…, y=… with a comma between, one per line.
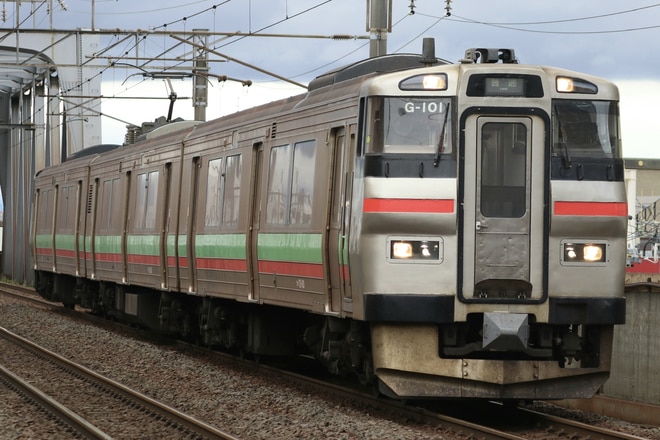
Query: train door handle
x=479, y=226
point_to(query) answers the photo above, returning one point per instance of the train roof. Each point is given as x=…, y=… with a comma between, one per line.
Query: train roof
x=382, y=64
x=96, y=149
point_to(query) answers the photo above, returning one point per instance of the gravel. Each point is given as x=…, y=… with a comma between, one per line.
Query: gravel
x=249, y=405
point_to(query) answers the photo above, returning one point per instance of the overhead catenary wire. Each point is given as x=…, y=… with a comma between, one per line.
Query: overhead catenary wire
x=514, y=26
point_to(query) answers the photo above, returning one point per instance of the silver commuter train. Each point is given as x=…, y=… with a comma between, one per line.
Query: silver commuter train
x=440, y=230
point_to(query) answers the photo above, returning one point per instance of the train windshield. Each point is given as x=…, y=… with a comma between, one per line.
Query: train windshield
x=408, y=125
x=583, y=128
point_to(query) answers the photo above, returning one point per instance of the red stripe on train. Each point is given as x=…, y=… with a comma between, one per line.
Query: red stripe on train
x=616, y=209
x=222, y=264
x=310, y=270
x=435, y=206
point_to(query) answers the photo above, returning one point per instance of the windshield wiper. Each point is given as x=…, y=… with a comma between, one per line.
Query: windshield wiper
x=439, y=149
x=566, y=158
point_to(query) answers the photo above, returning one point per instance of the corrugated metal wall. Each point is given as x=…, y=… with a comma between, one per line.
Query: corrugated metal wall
x=636, y=356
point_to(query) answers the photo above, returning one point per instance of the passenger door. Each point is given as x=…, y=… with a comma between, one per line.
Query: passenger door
x=503, y=208
x=336, y=235
x=254, y=220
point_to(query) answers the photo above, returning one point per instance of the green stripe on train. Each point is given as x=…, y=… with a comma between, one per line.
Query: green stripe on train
x=220, y=246
x=66, y=242
x=107, y=244
x=143, y=244
x=43, y=241
x=301, y=248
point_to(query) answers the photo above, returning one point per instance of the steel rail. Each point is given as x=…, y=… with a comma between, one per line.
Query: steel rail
x=192, y=424
x=52, y=406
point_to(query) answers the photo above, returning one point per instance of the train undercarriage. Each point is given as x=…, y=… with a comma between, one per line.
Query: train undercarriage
x=341, y=345
x=421, y=360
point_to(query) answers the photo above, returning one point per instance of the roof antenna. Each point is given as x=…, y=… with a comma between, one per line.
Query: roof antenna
x=428, y=52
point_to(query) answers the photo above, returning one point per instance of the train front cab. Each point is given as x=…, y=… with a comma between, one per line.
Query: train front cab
x=521, y=282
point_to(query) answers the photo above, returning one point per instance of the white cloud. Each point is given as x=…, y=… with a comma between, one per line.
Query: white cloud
x=224, y=98
x=638, y=115
x=639, y=118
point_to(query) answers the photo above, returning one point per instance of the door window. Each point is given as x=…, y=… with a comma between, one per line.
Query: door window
x=503, y=170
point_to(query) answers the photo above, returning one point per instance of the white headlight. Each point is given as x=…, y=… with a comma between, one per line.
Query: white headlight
x=414, y=250
x=570, y=252
x=592, y=253
x=583, y=252
x=402, y=250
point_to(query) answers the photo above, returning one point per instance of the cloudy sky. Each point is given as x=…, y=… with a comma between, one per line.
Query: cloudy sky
x=614, y=40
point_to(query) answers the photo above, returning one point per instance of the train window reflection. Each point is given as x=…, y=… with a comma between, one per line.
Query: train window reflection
x=278, y=185
x=214, y=193
x=44, y=226
x=145, y=206
x=111, y=209
x=291, y=183
x=585, y=128
x=302, y=182
x=503, y=170
x=232, y=198
x=409, y=125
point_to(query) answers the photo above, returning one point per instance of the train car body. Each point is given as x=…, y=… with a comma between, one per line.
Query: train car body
x=442, y=230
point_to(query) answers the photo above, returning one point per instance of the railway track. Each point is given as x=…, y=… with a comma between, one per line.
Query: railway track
x=525, y=423
x=92, y=405
x=500, y=423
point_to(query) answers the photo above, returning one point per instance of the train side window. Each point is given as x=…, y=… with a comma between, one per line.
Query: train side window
x=291, y=183
x=146, y=200
x=152, y=199
x=45, y=223
x=302, y=186
x=214, y=193
x=232, y=190
x=279, y=182
x=66, y=209
x=106, y=207
x=111, y=208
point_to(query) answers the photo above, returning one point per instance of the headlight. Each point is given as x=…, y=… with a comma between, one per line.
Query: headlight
x=437, y=81
x=418, y=251
x=575, y=85
x=593, y=252
x=402, y=249
x=583, y=252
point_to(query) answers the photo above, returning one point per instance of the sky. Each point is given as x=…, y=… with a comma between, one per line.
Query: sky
x=613, y=40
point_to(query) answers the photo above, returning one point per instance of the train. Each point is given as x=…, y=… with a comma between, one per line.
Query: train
x=432, y=229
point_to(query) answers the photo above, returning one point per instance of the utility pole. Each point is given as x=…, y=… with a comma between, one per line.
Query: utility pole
x=200, y=75
x=379, y=23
